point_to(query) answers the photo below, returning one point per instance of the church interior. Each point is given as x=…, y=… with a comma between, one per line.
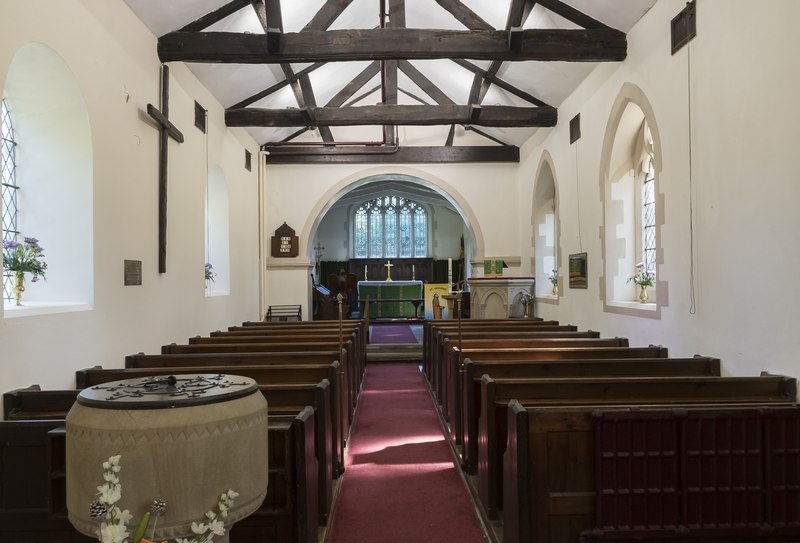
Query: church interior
x=482, y=258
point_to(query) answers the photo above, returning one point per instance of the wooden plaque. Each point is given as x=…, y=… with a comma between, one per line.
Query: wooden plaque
x=284, y=242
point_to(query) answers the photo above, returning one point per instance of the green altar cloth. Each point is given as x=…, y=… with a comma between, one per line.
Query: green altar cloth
x=391, y=298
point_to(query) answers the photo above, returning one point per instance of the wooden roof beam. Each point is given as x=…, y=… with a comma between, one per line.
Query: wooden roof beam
x=215, y=16
x=395, y=115
x=394, y=44
x=400, y=155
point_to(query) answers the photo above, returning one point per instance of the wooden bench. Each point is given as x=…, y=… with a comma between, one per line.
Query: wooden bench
x=450, y=364
x=443, y=340
x=284, y=313
x=349, y=370
x=234, y=360
x=33, y=483
x=464, y=424
x=496, y=394
x=691, y=473
x=34, y=403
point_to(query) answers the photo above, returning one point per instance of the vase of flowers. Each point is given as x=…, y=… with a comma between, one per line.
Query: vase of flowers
x=526, y=300
x=21, y=258
x=210, y=274
x=554, y=281
x=644, y=279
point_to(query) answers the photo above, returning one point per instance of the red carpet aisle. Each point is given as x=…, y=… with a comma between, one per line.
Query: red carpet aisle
x=391, y=333
x=401, y=484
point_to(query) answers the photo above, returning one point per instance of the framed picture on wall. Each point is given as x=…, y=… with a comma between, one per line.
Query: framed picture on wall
x=577, y=271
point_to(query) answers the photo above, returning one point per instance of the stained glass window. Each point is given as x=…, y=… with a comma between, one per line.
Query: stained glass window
x=390, y=227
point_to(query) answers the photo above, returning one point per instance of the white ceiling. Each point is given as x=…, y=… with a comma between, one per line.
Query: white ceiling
x=551, y=82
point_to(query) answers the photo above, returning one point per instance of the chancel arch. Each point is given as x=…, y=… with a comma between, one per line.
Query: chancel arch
x=633, y=208
x=379, y=179
x=545, y=222
x=54, y=173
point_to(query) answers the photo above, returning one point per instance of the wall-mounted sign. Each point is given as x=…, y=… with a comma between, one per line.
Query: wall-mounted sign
x=284, y=242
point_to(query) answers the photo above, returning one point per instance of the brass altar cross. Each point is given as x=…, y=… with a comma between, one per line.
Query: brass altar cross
x=168, y=130
x=388, y=267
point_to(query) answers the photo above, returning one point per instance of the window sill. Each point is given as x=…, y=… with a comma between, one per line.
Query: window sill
x=215, y=293
x=650, y=306
x=30, y=309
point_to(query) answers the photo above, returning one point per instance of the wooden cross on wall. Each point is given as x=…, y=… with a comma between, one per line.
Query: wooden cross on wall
x=168, y=130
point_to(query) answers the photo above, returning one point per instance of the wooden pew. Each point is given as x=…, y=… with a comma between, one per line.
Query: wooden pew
x=289, y=512
x=348, y=368
x=432, y=329
x=235, y=360
x=504, y=354
x=33, y=482
x=33, y=504
x=464, y=425
x=34, y=403
x=354, y=373
x=444, y=339
x=448, y=391
x=560, y=463
x=496, y=394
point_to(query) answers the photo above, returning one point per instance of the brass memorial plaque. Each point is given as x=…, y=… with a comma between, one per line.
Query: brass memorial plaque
x=133, y=272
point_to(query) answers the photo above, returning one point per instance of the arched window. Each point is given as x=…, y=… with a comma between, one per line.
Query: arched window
x=649, y=217
x=632, y=209
x=217, y=233
x=8, y=171
x=390, y=227
x=54, y=170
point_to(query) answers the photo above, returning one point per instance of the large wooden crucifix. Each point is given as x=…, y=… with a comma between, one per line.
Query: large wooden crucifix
x=168, y=130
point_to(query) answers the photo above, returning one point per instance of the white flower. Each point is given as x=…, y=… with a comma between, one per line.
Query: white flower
x=113, y=533
x=232, y=495
x=199, y=528
x=125, y=516
x=217, y=527
x=211, y=515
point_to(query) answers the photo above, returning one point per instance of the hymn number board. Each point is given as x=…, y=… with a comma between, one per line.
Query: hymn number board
x=284, y=242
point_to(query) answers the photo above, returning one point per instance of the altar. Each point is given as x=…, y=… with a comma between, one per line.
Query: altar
x=391, y=298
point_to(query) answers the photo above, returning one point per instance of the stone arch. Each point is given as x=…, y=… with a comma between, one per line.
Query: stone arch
x=545, y=198
x=629, y=94
x=58, y=164
x=353, y=181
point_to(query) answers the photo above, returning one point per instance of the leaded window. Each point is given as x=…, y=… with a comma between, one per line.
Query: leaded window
x=390, y=227
x=8, y=175
x=649, y=219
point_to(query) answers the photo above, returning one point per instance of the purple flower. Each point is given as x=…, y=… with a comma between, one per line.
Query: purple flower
x=10, y=244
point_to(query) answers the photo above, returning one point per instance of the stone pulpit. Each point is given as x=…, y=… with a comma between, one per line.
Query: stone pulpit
x=497, y=297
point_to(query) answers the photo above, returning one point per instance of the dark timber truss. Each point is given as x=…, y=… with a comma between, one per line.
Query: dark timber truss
x=392, y=48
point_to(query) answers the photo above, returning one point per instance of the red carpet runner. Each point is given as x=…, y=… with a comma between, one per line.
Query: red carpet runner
x=392, y=333
x=401, y=484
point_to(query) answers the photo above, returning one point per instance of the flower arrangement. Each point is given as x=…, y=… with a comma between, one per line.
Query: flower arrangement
x=27, y=256
x=553, y=277
x=210, y=273
x=642, y=277
x=525, y=298
x=114, y=521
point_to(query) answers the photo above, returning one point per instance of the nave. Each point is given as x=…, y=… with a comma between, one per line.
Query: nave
x=563, y=435
x=401, y=483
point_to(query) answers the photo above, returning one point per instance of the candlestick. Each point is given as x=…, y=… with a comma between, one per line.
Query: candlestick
x=413, y=272
x=449, y=275
x=365, y=272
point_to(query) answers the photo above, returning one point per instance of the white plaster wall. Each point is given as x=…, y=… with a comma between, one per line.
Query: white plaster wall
x=113, y=58
x=744, y=182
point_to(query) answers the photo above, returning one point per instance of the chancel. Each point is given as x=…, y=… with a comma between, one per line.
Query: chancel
x=506, y=217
